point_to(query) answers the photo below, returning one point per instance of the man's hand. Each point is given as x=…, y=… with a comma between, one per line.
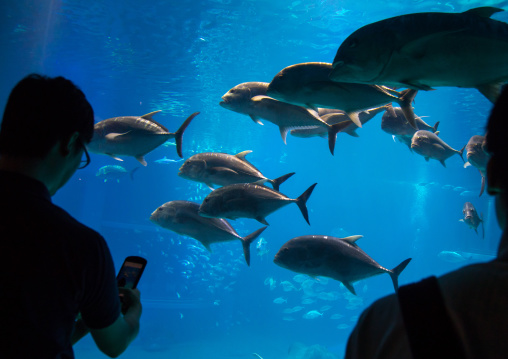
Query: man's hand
x=130, y=298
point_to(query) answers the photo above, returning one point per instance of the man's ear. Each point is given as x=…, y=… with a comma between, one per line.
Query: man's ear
x=68, y=145
x=496, y=176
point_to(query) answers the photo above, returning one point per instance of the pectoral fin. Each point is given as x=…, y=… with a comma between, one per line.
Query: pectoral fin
x=262, y=220
x=116, y=137
x=113, y=156
x=256, y=119
x=141, y=159
x=350, y=287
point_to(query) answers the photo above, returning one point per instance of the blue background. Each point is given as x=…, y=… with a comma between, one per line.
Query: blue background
x=131, y=58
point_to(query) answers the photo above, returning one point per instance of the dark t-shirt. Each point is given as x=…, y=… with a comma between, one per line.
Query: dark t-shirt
x=51, y=268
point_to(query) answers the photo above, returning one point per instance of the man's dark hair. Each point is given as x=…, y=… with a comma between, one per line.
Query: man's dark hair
x=497, y=127
x=40, y=112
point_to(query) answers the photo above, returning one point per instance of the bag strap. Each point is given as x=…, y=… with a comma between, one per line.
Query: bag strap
x=428, y=325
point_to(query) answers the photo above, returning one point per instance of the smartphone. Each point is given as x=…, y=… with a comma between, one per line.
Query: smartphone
x=131, y=271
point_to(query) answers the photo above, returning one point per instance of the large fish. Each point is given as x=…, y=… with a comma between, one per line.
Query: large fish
x=134, y=136
x=214, y=168
x=477, y=157
x=429, y=145
x=426, y=50
x=333, y=116
x=237, y=99
x=394, y=123
x=471, y=218
x=288, y=116
x=250, y=200
x=337, y=258
x=182, y=217
x=308, y=84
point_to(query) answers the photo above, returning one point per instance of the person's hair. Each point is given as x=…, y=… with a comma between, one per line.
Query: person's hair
x=497, y=128
x=40, y=112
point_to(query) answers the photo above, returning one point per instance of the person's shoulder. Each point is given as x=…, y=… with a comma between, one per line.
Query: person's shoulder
x=66, y=222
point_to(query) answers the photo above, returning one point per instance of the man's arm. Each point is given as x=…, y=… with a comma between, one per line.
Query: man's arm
x=114, y=339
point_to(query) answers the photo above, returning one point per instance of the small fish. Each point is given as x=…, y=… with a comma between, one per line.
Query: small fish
x=287, y=286
x=114, y=172
x=477, y=157
x=429, y=145
x=337, y=258
x=261, y=247
x=313, y=314
x=451, y=257
x=300, y=278
x=167, y=161
x=471, y=218
x=134, y=136
x=336, y=316
x=249, y=200
x=280, y=300
x=466, y=193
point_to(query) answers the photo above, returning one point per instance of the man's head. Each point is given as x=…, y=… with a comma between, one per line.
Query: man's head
x=497, y=146
x=46, y=123
x=42, y=111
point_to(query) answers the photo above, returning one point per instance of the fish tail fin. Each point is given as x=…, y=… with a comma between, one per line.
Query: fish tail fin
x=332, y=133
x=179, y=133
x=280, y=180
x=405, y=99
x=395, y=272
x=131, y=173
x=302, y=201
x=461, y=152
x=435, y=126
x=246, y=241
x=483, y=184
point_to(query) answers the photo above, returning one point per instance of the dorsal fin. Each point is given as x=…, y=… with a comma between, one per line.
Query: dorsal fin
x=484, y=11
x=352, y=239
x=242, y=154
x=148, y=116
x=436, y=133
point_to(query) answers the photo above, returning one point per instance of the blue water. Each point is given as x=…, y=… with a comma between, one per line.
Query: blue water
x=133, y=57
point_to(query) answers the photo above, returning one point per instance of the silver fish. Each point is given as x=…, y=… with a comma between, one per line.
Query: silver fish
x=477, y=157
x=308, y=84
x=337, y=258
x=134, y=136
x=288, y=116
x=394, y=123
x=238, y=98
x=471, y=218
x=250, y=200
x=333, y=116
x=215, y=168
x=182, y=217
x=114, y=172
x=426, y=50
x=429, y=145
